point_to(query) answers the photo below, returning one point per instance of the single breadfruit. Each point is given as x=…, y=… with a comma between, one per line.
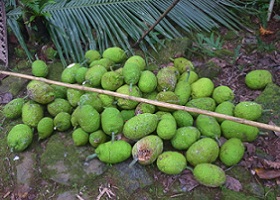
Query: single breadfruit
x=147, y=82
x=209, y=175
x=112, y=152
x=145, y=108
x=116, y=54
x=222, y=93
x=131, y=91
x=185, y=137
x=111, y=121
x=183, y=64
x=225, y=108
x=94, y=74
x=245, y=133
x=106, y=62
x=59, y=105
x=140, y=125
x=107, y=100
x=39, y=68
x=69, y=73
x=127, y=114
x=166, y=127
x=203, y=87
x=138, y=60
x=45, y=128
x=92, y=55
x=80, y=76
x=248, y=110
x=59, y=91
x=167, y=97
x=73, y=96
x=208, y=126
x=131, y=73
x=204, y=103
x=19, y=137
x=146, y=150
x=183, y=118
x=183, y=91
x=80, y=137
x=40, y=92
x=32, y=113
x=258, y=79
x=205, y=150
x=13, y=109
x=232, y=151
x=171, y=162
x=97, y=137
x=92, y=98
x=62, y=121
x=166, y=80
x=88, y=118
x=189, y=76
x=111, y=80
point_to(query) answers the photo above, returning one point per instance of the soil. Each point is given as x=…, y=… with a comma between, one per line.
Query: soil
x=47, y=170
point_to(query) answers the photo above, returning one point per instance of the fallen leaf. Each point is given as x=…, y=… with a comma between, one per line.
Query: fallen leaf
x=267, y=174
x=5, y=98
x=271, y=164
x=187, y=181
x=275, y=132
x=233, y=184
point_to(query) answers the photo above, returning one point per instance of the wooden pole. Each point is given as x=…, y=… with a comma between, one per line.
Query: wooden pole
x=153, y=102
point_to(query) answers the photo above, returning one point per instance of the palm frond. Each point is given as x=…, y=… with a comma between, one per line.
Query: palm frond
x=76, y=26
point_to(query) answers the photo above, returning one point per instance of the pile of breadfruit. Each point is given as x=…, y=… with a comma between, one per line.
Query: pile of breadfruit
x=119, y=128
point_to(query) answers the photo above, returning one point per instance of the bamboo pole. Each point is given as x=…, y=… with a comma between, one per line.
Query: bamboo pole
x=153, y=102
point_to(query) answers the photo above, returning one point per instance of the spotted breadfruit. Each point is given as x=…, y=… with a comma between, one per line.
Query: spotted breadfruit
x=171, y=162
x=258, y=79
x=13, y=109
x=40, y=92
x=40, y=68
x=116, y=54
x=203, y=87
x=32, y=113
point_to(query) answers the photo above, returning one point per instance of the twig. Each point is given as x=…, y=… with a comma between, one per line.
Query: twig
x=148, y=101
x=156, y=23
x=271, y=5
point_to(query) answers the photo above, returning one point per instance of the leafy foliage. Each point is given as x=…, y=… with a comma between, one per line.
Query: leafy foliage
x=76, y=26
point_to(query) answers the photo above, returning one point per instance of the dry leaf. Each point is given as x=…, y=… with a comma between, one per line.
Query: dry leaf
x=265, y=32
x=275, y=132
x=267, y=174
x=233, y=184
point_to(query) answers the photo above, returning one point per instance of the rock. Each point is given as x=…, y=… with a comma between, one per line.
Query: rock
x=26, y=169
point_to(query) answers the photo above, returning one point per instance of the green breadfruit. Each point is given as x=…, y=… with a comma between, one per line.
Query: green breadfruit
x=167, y=97
x=19, y=137
x=13, y=109
x=222, y=93
x=147, y=82
x=185, y=137
x=225, y=108
x=45, y=128
x=97, y=137
x=166, y=127
x=203, y=87
x=32, y=113
x=208, y=126
x=183, y=91
x=245, y=133
x=190, y=77
x=183, y=64
x=204, y=103
x=232, y=151
x=73, y=96
x=137, y=60
x=59, y=105
x=92, y=98
x=80, y=75
x=80, y=137
x=62, y=121
x=40, y=92
x=69, y=73
x=171, y=162
x=112, y=152
x=258, y=79
x=248, y=110
x=111, y=80
x=39, y=68
x=106, y=62
x=205, y=150
x=145, y=108
x=209, y=175
x=131, y=73
x=111, y=121
x=94, y=74
x=183, y=118
x=140, y=125
x=116, y=54
x=88, y=118
x=146, y=150
x=131, y=91
x=92, y=55
x=59, y=91
x=166, y=80
x=127, y=114
x=107, y=100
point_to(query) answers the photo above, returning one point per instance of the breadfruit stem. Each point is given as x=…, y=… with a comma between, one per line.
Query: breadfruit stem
x=135, y=160
x=189, y=168
x=113, y=137
x=90, y=157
